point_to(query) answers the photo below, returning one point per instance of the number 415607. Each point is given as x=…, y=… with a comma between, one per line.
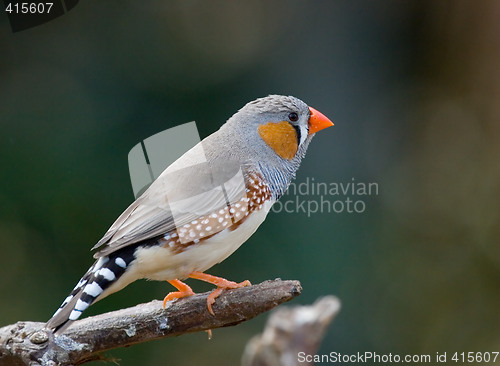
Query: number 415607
x=475, y=357
x=29, y=8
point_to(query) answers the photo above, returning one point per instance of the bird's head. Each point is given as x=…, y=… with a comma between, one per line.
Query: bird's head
x=270, y=134
x=278, y=125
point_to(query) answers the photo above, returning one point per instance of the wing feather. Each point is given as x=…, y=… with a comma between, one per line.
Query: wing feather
x=176, y=198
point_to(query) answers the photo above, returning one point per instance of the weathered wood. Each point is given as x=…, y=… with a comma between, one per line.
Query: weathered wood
x=28, y=343
x=291, y=334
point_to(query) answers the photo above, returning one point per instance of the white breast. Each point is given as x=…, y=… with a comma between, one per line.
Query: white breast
x=162, y=264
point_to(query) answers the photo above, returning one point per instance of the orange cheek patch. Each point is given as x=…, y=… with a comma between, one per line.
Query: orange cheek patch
x=281, y=137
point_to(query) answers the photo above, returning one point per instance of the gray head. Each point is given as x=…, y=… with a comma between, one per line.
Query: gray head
x=271, y=135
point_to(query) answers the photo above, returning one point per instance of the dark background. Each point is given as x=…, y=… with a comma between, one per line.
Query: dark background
x=413, y=88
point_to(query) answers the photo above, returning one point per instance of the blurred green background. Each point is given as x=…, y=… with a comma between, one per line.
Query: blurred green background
x=413, y=88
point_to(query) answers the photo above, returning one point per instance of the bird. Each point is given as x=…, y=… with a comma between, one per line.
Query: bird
x=202, y=207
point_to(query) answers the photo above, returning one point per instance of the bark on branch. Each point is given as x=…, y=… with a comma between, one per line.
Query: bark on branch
x=28, y=343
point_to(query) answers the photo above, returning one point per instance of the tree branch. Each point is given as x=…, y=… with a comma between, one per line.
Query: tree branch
x=290, y=331
x=28, y=343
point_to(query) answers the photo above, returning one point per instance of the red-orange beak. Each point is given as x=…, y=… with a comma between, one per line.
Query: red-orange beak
x=318, y=121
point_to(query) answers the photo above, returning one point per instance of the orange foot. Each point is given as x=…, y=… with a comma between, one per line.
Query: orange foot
x=185, y=291
x=221, y=283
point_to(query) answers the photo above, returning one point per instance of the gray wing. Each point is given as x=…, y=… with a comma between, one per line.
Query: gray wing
x=179, y=196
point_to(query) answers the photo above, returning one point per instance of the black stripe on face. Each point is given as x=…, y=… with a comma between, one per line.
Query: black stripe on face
x=299, y=133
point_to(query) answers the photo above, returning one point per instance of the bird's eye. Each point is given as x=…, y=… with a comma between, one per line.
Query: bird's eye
x=294, y=117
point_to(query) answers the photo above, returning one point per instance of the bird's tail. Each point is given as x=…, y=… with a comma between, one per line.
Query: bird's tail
x=91, y=287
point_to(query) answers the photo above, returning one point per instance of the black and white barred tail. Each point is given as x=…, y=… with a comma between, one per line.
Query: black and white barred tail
x=91, y=287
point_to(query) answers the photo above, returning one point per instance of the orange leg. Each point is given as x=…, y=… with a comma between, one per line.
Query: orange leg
x=221, y=283
x=184, y=291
